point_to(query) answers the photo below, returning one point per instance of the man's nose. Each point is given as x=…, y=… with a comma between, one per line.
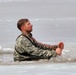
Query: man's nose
x=31, y=25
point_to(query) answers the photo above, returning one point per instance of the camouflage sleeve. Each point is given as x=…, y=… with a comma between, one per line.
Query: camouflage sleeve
x=45, y=46
x=28, y=47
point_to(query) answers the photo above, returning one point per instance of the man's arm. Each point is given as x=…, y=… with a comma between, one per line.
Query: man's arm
x=45, y=46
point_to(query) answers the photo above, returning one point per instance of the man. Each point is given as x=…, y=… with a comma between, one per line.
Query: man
x=27, y=48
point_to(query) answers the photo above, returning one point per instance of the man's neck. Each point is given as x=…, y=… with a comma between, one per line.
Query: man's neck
x=26, y=33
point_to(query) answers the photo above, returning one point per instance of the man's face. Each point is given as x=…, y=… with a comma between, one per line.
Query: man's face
x=28, y=27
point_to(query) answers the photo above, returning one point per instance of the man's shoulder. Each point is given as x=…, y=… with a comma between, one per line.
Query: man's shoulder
x=21, y=37
x=23, y=40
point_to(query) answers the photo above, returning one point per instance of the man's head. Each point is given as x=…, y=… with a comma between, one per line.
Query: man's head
x=24, y=25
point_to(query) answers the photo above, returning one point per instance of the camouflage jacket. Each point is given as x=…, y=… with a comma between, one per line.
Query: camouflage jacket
x=27, y=48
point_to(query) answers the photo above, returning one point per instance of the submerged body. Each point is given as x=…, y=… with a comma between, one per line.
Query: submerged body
x=27, y=48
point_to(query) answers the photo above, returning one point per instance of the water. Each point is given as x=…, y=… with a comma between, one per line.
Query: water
x=53, y=21
x=39, y=69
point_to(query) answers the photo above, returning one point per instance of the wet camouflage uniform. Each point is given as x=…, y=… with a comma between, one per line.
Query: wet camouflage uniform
x=27, y=48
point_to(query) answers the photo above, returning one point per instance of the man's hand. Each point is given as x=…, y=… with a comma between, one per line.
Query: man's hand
x=59, y=49
x=61, y=45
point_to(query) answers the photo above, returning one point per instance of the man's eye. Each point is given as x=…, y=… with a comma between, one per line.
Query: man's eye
x=28, y=23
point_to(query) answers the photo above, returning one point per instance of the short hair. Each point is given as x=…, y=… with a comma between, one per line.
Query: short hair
x=21, y=22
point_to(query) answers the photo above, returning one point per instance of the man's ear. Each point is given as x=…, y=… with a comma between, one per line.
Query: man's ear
x=22, y=27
